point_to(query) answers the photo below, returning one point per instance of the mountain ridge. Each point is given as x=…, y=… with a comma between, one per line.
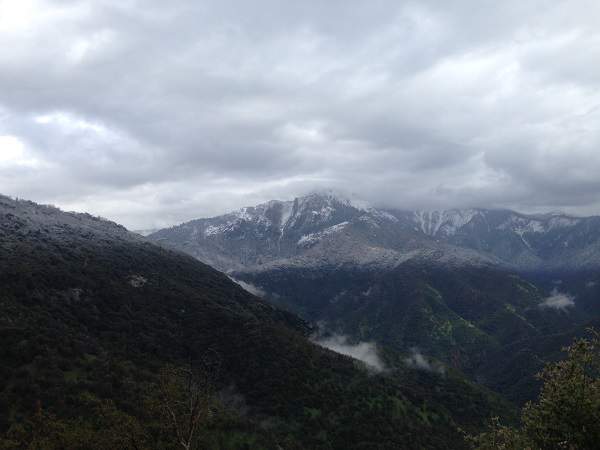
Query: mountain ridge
x=288, y=229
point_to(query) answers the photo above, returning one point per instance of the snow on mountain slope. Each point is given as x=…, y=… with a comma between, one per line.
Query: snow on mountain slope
x=521, y=224
x=25, y=217
x=311, y=238
x=447, y=223
x=312, y=230
x=301, y=230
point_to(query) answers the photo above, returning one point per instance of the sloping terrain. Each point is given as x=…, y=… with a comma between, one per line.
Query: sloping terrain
x=89, y=309
x=462, y=286
x=457, y=315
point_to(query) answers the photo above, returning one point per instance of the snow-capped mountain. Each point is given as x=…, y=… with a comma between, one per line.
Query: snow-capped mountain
x=325, y=229
x=315, y=230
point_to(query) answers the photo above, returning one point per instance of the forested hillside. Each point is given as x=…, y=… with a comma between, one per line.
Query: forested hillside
x=90, y=315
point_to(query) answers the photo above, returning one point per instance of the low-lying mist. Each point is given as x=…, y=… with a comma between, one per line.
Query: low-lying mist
x=418, y=361
x=254, y=290
x=366, y=352
x=558, y=300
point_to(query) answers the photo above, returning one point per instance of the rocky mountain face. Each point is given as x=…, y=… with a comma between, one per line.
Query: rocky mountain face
x=90, y=313
x=325, y=230
x=316, y=230
x=460, y=285
x=524, y=242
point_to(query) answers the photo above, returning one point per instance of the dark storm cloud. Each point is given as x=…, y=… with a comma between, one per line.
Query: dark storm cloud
x=155, y=112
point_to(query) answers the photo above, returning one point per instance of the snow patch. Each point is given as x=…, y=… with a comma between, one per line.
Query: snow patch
x=524, y=224
x=309, y=239
x=382, y=214
x=323, y=214
x=242, y=214
x=447, y=222
x=212, y=230
x=256, y=216
x=456, y=219
x=286, y=213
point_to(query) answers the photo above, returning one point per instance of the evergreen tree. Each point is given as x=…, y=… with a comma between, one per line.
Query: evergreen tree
x=567, y=412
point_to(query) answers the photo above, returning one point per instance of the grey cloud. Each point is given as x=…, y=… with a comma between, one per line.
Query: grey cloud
x=127, y=106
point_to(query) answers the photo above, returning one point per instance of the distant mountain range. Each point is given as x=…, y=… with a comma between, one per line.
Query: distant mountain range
x=462, y=286
x=325, y=230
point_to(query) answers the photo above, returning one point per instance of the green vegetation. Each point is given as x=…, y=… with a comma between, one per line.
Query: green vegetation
x=181, y=411
x=567, y=413
x=90, y=323
x=457, y=315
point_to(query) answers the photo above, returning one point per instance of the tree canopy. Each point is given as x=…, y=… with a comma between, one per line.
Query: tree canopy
x=567, y=412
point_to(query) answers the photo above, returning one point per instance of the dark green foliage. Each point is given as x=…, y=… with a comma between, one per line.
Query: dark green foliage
x=88, y=319
x=104, y=426
x=484, y=321
x=458, y=315
x=567, y=412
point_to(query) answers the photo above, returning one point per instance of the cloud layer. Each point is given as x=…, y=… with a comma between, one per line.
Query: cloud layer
x=152, y=112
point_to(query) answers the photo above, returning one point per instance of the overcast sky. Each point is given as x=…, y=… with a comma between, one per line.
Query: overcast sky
x=154, y=112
